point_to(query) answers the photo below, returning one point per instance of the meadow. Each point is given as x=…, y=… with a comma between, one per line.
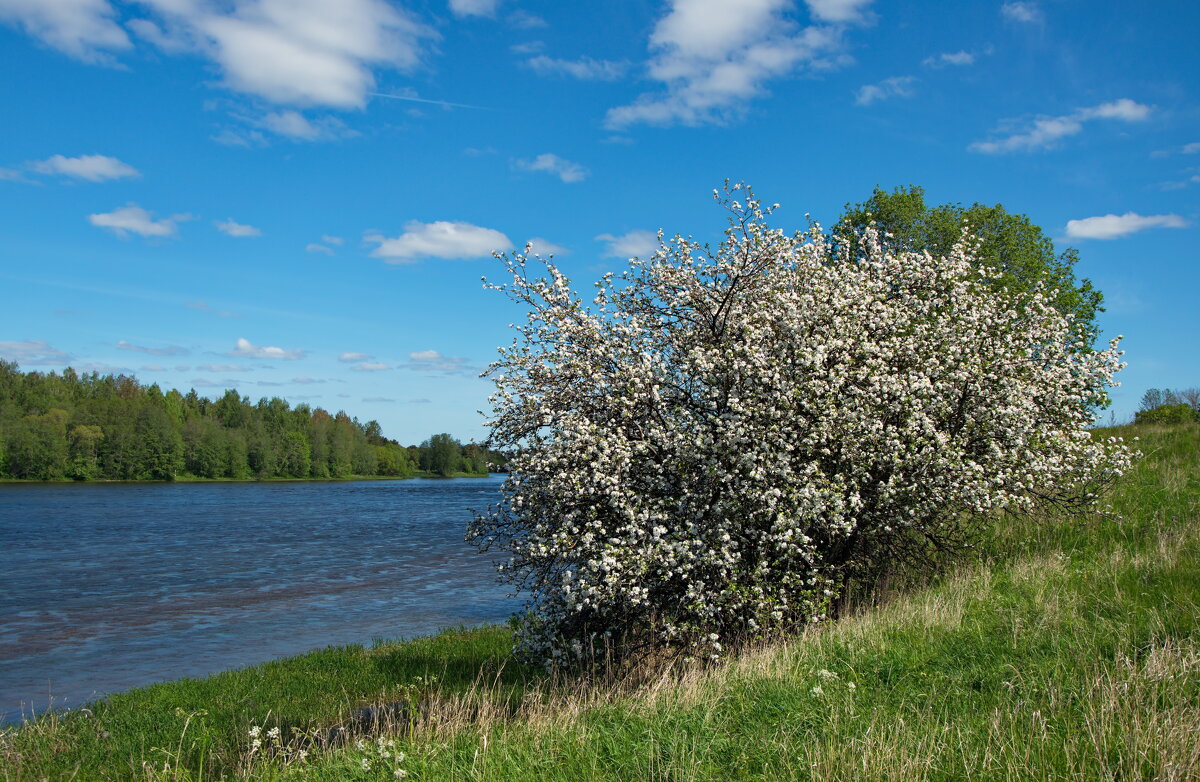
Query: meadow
x=1064, y=647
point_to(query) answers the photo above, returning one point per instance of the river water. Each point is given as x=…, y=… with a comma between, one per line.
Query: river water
x=106, y=587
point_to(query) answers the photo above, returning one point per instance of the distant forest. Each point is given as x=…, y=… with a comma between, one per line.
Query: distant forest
x=85, y=427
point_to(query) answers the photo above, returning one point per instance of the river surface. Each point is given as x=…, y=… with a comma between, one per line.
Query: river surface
x=106, y=587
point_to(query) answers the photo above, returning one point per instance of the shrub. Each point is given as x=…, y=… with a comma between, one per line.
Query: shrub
x=713, y=447
x=1181, y=413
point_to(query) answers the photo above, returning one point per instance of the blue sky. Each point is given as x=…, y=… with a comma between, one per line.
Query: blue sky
x=298, y=198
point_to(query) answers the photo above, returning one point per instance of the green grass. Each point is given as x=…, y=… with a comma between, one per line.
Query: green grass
x=1067, y=649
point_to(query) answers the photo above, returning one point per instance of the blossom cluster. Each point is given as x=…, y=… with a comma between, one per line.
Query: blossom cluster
x=714, y=444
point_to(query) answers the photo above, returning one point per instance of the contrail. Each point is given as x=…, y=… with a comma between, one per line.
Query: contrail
x=445, y=103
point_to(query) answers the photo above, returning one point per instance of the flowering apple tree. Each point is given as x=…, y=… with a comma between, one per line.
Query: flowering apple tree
x=722, y=436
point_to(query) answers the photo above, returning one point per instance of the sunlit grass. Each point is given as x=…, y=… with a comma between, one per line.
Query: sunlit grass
x=1069, y=648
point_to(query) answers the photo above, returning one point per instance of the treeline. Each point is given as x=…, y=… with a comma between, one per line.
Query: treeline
x=111, y=427
x=1164, y=406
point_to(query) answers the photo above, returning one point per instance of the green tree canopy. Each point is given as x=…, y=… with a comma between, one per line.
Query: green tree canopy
x=1010, y=243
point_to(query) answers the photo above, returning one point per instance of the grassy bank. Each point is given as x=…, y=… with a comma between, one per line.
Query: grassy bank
x=1069, y=650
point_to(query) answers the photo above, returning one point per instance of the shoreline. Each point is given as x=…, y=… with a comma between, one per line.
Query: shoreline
x=190, y=479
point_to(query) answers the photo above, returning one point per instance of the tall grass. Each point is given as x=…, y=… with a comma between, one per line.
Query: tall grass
x=1068, y=648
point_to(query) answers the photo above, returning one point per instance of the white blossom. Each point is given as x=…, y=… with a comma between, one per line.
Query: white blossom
x=721, y=437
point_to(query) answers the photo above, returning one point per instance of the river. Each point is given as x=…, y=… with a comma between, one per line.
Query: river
x=109, y=586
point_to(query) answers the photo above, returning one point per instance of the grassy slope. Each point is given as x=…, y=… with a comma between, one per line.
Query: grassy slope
x=1071, y=652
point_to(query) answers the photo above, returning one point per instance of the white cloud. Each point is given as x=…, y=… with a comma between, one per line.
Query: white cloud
x=1044, y=132
x=1115, y=226
x=12, y=175
x=634, y=244
x=566, y=170
x=350, y=357
x=297, y=52
x=950, y=58
x=1180, y=184
x=168, y=350
x=224, y=368
x=837, y=10
x=1017, y=11
x=332, y=239
x=131, y=218
x=237, y=229
x=368, y=366
x=83, y=29
x=378, y=399
x=312, y=247
x=585, y=68
x=440, y=239
x=462, y=8
x=527, y=47
x=434, y=361
x=294, y=125
x=240, y=137
x=94, y=168
x=1190, y=149
x=545, y=247
x=249, y=350
x=305, y=380
x=713, y=56
x=523, y=20
x=33, y=352
x=895, y=87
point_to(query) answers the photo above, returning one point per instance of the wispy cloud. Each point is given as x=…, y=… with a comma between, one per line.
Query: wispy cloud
x=352, y=357
x=313, y=247
x=236, y=229
x=463, y=8
x=34, y=352
x=548, y=162
x=545, y=247
x=959, y=58
x=895, y=87
x=633, y=244
x=369, y=366
x=93, y=168
x=280, y=51
x=246, y=348
x=1045, y=132
x=296, y=126
x=434, y=361
x=1023, y=12
x=225, y=368
x=201, y=306
x=440, y=239
x=165, y=350
x=83, y=29
x=712, y=58
x=585, y=68
x=1113, y=226
x=132, y=218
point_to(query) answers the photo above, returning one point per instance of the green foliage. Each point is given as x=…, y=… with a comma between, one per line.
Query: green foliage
x=441, y=455
x=1010, y=243
x=1181, y=413
x=92, y=427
